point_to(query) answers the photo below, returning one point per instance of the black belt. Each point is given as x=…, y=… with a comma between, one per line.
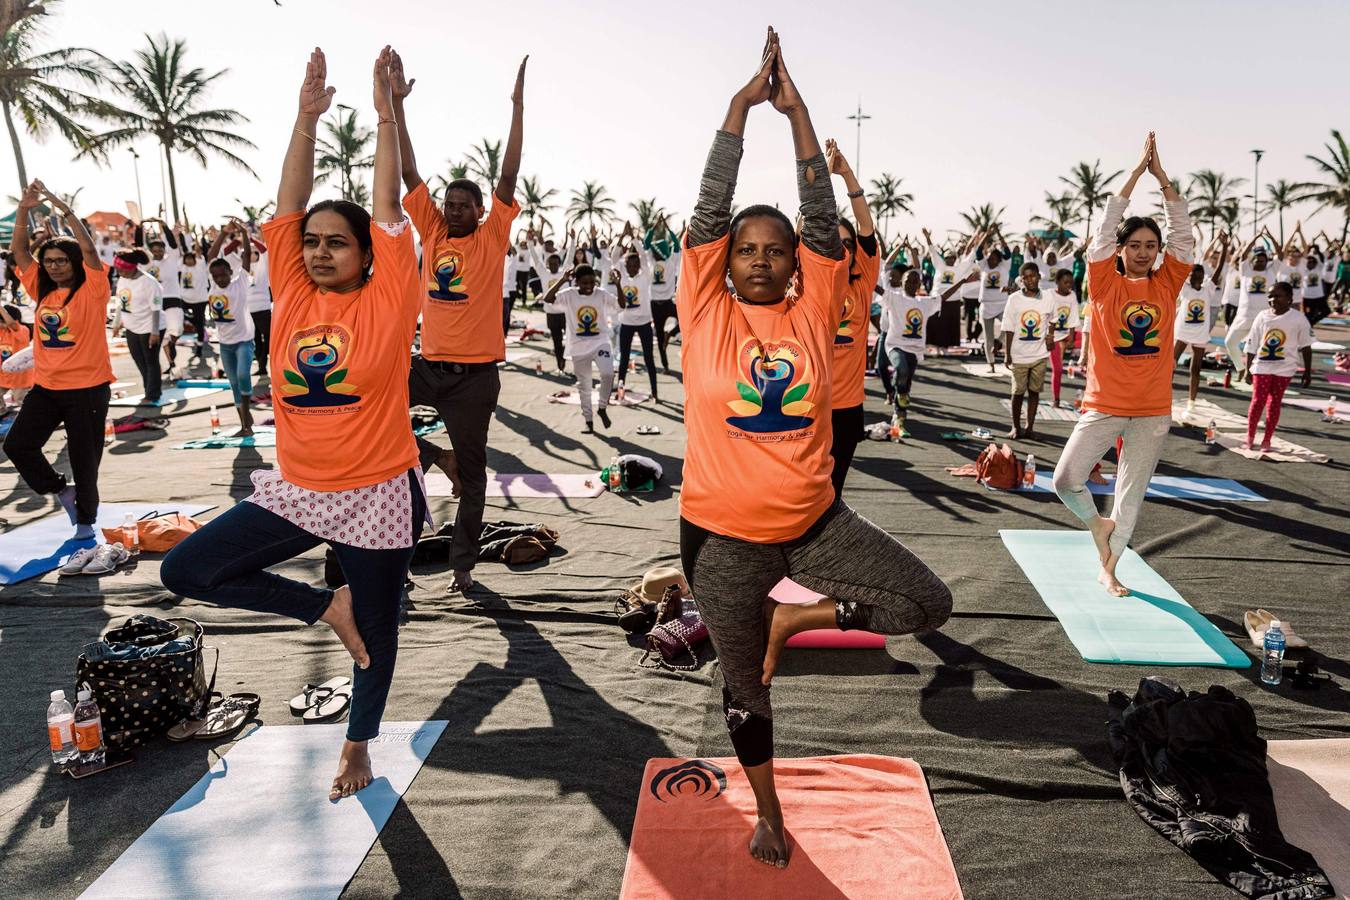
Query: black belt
x=458, y=368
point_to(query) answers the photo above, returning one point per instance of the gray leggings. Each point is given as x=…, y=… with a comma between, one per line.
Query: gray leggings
x=1095, y=433
x=992, y=337
x=845, y=557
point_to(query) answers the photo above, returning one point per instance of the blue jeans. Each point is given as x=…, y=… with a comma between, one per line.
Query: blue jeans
x=237, y=361
x=904, y=363
x=225, y=562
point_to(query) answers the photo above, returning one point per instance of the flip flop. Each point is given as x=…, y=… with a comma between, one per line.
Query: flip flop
x=225, y=718
x=311, y=695
x=648, y=429
x=188, y=728
x=332, y=709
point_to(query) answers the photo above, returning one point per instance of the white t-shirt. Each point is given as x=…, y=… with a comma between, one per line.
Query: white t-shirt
x=140, y=302
x=260, y=290
x=1232, y=284
x=1276, y=342
x=228, y=310
x=992, y=281
x=1255, y=290
x=1312, y=281
x=635, y=292
x=539, y=262
x=166, y=270
x=192, y=282
x=664, y=273
x=1066, y=313
x=944, y=276
x=1194, y=313
x=1026, y=319
x=590, y=319
x=905, y=320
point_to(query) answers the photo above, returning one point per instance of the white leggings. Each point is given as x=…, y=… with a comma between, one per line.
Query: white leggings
x=1237, y=333
x=992, y=337
x=603, y=358
x=1095, y=433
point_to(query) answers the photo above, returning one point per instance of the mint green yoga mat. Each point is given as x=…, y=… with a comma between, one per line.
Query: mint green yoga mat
x=1154, y=625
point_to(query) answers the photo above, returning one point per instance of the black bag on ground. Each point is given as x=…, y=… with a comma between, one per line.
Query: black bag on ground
x=142, y=692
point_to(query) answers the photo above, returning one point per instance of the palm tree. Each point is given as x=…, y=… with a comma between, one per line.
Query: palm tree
x=438, y=184
x=164, y=100
x=1230, y=214
x=535, y=200
x=485, y=163
x=648, y=213
x=1212, y=194
x=1280, y=195
x=1334, y=193
x=888, y=200
x=254, y=214
x=1063, y=213
x=343, y=150
x=590, y=204
x=984, y=218
x=1089, y=185
x=37, y=86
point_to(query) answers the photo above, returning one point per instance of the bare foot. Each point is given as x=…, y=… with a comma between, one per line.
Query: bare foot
x=460, y=583
x=1101, y=536
x=783, y=620
x=447, y=463
x=353, y=770
x=1265, y=446
x=1014, y=433
x=339, y=617
x=768, y=845
x=1108, y=580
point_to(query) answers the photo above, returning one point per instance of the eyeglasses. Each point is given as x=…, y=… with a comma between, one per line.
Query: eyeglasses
x=55, y=261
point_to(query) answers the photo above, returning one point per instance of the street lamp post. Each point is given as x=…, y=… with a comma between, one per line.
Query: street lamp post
x=135, y=167
x=858, y=117
x=1256, y=188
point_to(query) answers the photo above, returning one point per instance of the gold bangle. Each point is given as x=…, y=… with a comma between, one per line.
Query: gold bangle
x=386, y=122
x=303, y=134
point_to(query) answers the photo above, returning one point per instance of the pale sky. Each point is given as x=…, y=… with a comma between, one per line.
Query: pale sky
x=971, y=101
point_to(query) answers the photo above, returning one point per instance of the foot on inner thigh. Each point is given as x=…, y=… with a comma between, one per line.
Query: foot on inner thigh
x=353, y=771
x=339, y=617
x=769, y=843
x=1101, y=536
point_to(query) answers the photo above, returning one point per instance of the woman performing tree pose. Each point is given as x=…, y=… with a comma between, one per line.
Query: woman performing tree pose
x=345, y=311
x=757, y=503
x=71, y=370
x=1129, y=369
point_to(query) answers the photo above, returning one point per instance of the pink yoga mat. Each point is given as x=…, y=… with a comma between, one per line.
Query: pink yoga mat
x=789, y=591
x=1338, y=378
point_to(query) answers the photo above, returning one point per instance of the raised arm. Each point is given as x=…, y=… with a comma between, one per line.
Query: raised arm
x=1180, y=237
x=506, y=185
x=1217, y=278
x=557, y=286
x=838, y=165
x=820, y=219
x=75, y=224
x=1102, y=245
x=297, y=169
x=384, y=188
x=401, y=86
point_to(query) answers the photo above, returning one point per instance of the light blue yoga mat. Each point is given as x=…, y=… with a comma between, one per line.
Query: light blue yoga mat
x=1170, y=487
x=221, y=383
x=1154, y=625
x=260, y=824
x=38, y=547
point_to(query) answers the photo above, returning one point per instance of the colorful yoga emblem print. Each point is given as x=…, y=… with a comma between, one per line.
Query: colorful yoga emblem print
x=588, y=321
x=52, y=329
x=1272, y=345
x=1195, y=311
x=659, y=273
x=992, y=279
x=1062, y=318
x=774, y=399
x=447, y=278
x=219, y=304
x=1138, y=335
x=628, y=296
x=913, y=324
x=845, y=333
x=185, y=279
x=948, y=277
x=124, y=300
x=1258, y=285
x=316, y=374
x=1029, y=327
x=1296, y=279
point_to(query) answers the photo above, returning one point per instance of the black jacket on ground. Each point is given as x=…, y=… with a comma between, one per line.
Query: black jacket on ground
x=1194, y=768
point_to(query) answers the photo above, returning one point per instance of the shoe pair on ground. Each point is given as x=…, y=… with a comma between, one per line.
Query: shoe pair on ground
x=98, y=560
x=1258, y=623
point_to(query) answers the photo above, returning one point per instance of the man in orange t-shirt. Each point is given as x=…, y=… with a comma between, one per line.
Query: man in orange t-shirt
x=463, y=259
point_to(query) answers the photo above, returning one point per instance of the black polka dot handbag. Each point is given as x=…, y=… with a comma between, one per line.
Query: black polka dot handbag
x=147, y=675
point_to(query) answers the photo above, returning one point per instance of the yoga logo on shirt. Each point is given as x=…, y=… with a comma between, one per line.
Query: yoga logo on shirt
x=1139, y=334
x=588, y=322
x=1195, y=311
x=1258, y=285
x=448, y=277
x=1272, y=345
x=659, y=273
x=1062, y=317
x=1295, y=280
x=628, y=296
x=316, y=377
x=124, y=299
x=774, y=400
x=52, y=328
x=992, y=279
x=185, y=279
x=219, y=304
x=913, y=324
x=153, y=270
x=695, y=780
x=845, y=333
x=1029, y=326
x=948, y=277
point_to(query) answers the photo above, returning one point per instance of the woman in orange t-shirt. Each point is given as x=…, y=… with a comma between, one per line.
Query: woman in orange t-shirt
x=344, y=314
x=14, y=337
x=757, y=503
x=1132, y=308
x=71, y=370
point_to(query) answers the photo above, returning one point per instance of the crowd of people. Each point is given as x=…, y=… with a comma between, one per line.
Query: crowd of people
x=357, y=315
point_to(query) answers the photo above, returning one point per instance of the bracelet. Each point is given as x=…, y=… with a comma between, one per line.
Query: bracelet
x=386, y=122
x=303, y=134
x=854, y=195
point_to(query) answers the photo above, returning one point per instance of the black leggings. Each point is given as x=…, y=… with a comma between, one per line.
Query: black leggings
x=84, y=412
x=644, y=333
x=1316, y=309
x=146, y=359
x=557, y=323
x=973, y=326
x=262, y=338
x=847, y=426
x=196, y=314
x=883, y=364
x=662, y=311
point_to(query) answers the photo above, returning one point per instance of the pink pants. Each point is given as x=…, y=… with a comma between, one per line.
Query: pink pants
x=1056, y=368
x=1267, y=394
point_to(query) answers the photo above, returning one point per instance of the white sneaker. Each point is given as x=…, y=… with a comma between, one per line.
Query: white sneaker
x=106, y=558
x=79, y=560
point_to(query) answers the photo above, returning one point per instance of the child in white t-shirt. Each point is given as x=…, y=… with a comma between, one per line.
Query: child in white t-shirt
x=1066, y=325
x=227, y=305
x=1276, y=335
x=590, y=312
x=1028, y=335
x=1194, y=322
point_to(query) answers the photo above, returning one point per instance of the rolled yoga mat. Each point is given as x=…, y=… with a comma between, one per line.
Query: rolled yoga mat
x=38, y=547
x=1154, y=625
x=790, y=592
x=1168, y=487
x=1311, y=783
x=858, y=826
x=260, y=824
x=525, y=486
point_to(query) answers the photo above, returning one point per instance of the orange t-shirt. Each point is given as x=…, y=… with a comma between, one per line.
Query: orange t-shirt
x=340, y=364
x=462, y=307
x=1130, y=361
x=72, y=342
x=14, y=338
x=757, y=399
x=850, y=340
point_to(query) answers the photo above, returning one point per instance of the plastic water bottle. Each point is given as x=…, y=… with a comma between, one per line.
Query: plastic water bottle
x=89, y=729
x=109, y=433
x=1272, y=656
x=894, y=432
x=215, y=420
x=61, y=730
x=132, y=534
x=615, y=476
x=538, y=367
x=1331, y=410
x=620, y=392
x=1078, y=401
x=1029, y=472
x=1210, y=431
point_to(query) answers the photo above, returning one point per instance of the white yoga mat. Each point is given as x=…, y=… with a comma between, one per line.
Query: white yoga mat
x=1205, y=412
x=1046, y=412
x=170, y=396
x=982, y=370
x=260, y=824
x=1280, y=449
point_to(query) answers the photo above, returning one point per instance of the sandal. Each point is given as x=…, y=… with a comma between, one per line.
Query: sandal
x=188, y=728
x=332, y=709
x=648, y=429
x=311, y=695
x=225, y=718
